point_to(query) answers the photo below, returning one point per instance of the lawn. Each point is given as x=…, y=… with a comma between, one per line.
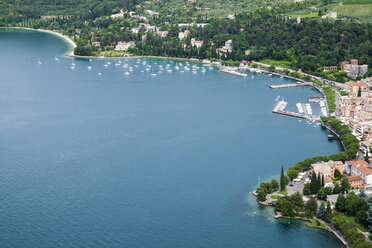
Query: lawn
x=280, y=63
x=351, y=219
x=357, y=2
x=307, y=15
x=355, y=10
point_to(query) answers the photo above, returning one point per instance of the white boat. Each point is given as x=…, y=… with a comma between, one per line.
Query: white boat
x=270, y=74
x=126, y=73
x=39, y=62
x=169, y=71
x=72, y=67
x=194, y=72
x=90, y=60
x=105, y=65
x=182, y=71
x=177, y=67
x=99, y=73
x=153, y=74
x=89, y=68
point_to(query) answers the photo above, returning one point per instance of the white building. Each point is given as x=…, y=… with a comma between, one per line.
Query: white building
x=183, y=35
x=226, y=48
x=162, y=34
x=123, y=46
x=360, y=168
x=196, y=43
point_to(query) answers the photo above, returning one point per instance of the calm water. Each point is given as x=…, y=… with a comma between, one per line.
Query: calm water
x=139, y=161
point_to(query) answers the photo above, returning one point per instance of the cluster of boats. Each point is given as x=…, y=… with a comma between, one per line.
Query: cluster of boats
x=154, y=68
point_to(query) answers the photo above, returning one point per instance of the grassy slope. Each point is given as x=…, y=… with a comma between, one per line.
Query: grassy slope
x=217, y=8
x=360, y=9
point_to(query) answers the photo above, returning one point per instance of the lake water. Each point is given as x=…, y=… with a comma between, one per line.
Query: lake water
x=117, y=160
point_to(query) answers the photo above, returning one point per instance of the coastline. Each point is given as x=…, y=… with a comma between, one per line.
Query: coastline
x=64, y=37
x=309, y=222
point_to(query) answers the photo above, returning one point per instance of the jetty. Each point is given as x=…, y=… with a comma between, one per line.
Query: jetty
x=280, y=109
x=235, y=73
x=288, y=85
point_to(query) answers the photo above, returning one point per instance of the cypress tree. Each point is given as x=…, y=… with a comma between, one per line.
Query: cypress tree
x=318, y=182
x=282, y=180
x=359, y=92
x=328, y=212
x=313, y=184
x=322, y=180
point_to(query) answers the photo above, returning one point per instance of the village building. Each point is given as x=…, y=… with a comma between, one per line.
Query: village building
x=327, y=169
x=196, y=43
x=161, y=34
x=330, y=68
x=353, y=69
x=353, y=88
x=96, y=43
x=355, y=182
x=360, y=168
x=123, y=46
x=226, y=48
x=183, y=35
x=151, y=13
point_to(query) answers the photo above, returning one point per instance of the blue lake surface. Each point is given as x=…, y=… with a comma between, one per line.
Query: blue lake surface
x=141, y=161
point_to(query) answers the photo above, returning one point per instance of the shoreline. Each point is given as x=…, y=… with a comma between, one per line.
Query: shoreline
x=309, y=222
x=66, y=38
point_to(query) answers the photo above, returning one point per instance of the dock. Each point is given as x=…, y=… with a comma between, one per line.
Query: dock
x=235, y=73
x=288, y=85
x=280, y=109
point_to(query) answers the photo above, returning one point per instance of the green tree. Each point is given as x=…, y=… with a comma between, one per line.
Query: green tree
x=337, y=188
x=359, y=92
x=282, y=180
x=274, y=185
x=307, y=189
x=337, y=173
x=321, y=194
x=311, y=206
x=345, y=185
x=261, y=194
x=340, y=203
x=313, y=184
x=322, y=212
x=369, y=217
x=328, y=212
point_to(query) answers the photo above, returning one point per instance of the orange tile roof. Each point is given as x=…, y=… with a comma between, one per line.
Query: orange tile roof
x=361, y=165
x=354, y=84
x=354, y=178
x=327, y=180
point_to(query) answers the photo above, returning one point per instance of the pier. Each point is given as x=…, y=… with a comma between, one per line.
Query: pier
x=280, y=109
x=288, y=85
x=235, y=73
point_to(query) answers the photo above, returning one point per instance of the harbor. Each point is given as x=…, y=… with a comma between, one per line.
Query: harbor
x=305, y=111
